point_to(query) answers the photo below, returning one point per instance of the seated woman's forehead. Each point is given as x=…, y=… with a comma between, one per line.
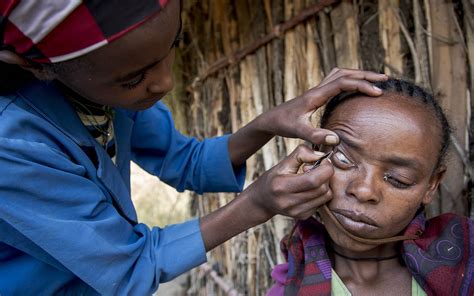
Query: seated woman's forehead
x=399, y=111
x=391, y=124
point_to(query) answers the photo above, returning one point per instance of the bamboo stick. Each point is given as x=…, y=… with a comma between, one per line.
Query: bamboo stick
x=314, y=70
x=206, y=269
x=469, y=32
x=326, y=43
x=421, y=45
x=411, y=46
x=389, y=30
x=346, y=35
x=429, y=28
x=449, y=75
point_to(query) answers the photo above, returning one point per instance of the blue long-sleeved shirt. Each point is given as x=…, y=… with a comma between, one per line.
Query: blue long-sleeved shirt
x=67, y=223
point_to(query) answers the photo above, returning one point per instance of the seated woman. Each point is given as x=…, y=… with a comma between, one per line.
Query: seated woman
x=372, y=238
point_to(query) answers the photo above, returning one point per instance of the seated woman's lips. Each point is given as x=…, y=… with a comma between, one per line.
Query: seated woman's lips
x=357, y=224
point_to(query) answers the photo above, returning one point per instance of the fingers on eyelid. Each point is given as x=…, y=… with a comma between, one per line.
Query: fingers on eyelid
x=307, y=168
x=323, y=136
x=311, y=196
x=316, y=179
x=304, y=154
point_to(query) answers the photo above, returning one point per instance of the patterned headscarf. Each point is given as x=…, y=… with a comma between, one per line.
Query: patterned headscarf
x=51, y=31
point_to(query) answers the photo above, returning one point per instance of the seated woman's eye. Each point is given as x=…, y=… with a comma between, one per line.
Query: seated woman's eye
x=341, y=160
x=397, y=183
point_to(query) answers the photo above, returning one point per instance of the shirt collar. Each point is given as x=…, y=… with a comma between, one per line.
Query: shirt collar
x=46, y=99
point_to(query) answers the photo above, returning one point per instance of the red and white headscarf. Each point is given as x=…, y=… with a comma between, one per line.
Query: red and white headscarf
x=51, y=31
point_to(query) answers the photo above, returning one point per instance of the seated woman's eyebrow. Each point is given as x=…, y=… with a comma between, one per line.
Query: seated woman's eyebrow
x=395, y=160
x=348, y=141
x=400, y=161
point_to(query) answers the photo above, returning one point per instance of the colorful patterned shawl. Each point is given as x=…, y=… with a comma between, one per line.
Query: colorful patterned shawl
x=441, y=260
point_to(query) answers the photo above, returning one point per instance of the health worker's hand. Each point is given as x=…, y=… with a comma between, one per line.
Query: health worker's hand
x=286, y=190
x=292, y=119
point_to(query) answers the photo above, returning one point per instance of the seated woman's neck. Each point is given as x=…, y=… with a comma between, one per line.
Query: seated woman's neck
x=361, y=271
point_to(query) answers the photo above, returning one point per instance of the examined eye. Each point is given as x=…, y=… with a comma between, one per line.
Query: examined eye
x=341, y=160
x=341, y=157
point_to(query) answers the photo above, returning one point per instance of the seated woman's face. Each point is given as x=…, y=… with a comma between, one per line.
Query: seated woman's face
x=385, y=166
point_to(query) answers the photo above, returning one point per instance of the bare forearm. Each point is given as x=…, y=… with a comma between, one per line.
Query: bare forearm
x=278, y=191
x=235, y=217
x=246, y=141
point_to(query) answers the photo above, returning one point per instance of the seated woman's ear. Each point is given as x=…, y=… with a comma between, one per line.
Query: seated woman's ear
x=40, y=72
x=435, y=181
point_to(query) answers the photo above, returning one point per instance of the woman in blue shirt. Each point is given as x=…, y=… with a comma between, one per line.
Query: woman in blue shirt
x=69, y=131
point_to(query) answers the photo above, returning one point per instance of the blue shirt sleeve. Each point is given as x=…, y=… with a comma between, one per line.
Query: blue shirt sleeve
x=61, y=217
x=183, y=162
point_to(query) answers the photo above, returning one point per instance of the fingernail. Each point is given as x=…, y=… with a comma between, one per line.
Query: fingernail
x=331, y=139
x=377, y=89
x=319, y=153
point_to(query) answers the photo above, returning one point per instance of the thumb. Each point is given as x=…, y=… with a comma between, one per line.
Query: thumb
x=317, y=136
x=301, y=155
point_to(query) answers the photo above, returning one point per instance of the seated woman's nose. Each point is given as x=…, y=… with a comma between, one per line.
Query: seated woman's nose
x=364, y=187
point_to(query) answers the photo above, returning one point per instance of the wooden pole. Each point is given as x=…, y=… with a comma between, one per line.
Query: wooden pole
x=449, y=78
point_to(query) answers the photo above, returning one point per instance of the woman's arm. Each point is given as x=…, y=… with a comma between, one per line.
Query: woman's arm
x=54, y=213
x=281, y=190
x=63, y=219
x=182, y=162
